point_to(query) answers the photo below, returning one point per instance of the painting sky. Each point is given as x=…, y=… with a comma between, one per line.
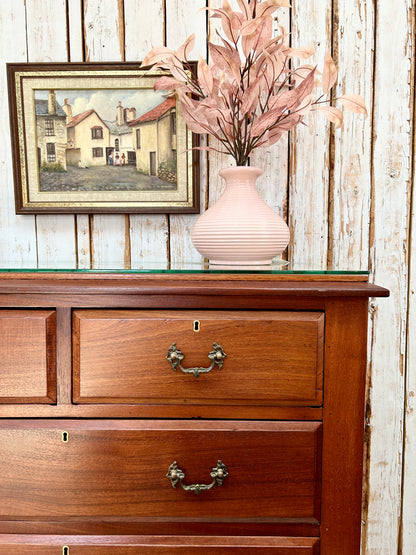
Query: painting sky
x=105, y=101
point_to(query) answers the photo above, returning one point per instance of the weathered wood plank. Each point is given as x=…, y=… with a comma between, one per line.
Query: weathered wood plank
x=273, y=184
x=310, y=149
x=76, y=54
x=217, y=161
x=350, y=193
x=144, y=28
x=408, y=530
x=389, y=251
x=409, y=477
x=17, y=233
x=46, y=40
x=182, y=19
x=104, y=41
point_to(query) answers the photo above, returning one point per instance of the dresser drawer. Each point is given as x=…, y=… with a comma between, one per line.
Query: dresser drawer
x=119, y=356
x=27, y=355
x=155, y=545
x=60, y=469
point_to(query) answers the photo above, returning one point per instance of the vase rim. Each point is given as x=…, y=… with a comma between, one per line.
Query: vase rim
x=237, y=169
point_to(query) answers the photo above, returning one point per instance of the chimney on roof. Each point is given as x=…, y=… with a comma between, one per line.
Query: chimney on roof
x=52, y=105
x=120, y=114
x=130, y=114
x=68, y=110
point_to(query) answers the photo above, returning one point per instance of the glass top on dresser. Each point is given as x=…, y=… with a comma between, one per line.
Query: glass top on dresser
x=278, y=267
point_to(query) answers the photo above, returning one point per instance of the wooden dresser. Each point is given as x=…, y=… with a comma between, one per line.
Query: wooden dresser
x=182, y=413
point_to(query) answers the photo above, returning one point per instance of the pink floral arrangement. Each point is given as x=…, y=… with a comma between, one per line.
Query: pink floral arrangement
x=251, y=92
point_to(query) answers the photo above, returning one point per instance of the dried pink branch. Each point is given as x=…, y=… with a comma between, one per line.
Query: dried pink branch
x=251, y=92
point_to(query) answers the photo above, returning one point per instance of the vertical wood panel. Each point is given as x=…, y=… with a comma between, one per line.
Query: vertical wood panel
x=310, y=148
x=389, y=248
x=351, y=186
x=216, y=161
x=46, y=40
x=76, y=54
x=17, y=233
x=273, y=184
x=104, y=41
x=144, y=28
x=408, y=538
x=182, y=19
x=409, y=478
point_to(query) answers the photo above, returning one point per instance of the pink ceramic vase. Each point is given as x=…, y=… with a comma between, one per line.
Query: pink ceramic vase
x=240, y=229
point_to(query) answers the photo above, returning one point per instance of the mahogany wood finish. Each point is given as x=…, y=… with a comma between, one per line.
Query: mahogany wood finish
x=27, y=356
x=118, y=468
x=153, y=545
x=272, y=357
x=285, y=413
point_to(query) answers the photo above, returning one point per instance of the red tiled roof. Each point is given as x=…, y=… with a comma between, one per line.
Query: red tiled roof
x=157, y=112
x=76, y=119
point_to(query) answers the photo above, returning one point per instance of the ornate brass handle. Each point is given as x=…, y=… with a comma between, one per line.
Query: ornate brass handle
x=218, y=475
x=175, y=357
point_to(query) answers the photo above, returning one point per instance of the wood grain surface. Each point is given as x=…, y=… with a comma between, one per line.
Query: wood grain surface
x=118, y=468
x=151, y=545
x=28, y=356
x=271, y=358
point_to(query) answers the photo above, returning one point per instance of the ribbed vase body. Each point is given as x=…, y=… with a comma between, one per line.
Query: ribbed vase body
x=240, y=228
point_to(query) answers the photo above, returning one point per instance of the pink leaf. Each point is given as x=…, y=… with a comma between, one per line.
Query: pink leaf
x=266, y=120
x=329, y=75
x=306, y=86
x=166, y=83
x=194, y=125
x=177, y=71
x=157, y=54
x=302, y=52
x=250, y=97
x=205, y=77
x=302, y=72
x=268, y=7
x=247, y=43
x=225, y=59
x=264, y=33
x=354, y=103
x=251, y=26
x=289, y=121
x=270, y=137
x=182, y=53
x=332, y=114
x=245, y=8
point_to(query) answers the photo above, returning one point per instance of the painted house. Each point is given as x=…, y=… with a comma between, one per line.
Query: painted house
x=51, y=131
x=121, y=135
x=87, y=138
x=154, y=137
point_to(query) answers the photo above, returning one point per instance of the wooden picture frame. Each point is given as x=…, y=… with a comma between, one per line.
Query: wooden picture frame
x=97, y=138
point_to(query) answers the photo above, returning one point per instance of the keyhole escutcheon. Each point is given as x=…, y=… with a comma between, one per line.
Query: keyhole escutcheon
x=197, y=325
x=65, y=438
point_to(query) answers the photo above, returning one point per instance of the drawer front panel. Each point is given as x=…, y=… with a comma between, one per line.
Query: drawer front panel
x=28, y=356
x=154, y=545
x=272, y=358
x=60, y=469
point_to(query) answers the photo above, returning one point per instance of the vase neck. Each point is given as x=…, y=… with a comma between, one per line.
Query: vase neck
x=240, y=176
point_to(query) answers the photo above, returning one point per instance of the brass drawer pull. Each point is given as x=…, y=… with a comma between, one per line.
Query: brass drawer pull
x=175, y=357
x=218, y=475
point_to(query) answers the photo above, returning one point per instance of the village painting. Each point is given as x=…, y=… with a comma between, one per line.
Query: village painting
x=105, y=140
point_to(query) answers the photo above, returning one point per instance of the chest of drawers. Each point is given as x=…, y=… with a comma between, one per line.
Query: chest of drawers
x=182, y=413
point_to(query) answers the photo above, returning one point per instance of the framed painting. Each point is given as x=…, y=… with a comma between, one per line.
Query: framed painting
x=96, y=137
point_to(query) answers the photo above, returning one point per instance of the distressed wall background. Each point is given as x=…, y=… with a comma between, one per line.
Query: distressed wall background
x=347, y=194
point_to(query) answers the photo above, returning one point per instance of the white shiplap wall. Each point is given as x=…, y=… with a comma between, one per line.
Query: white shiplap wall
x=347, y=194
